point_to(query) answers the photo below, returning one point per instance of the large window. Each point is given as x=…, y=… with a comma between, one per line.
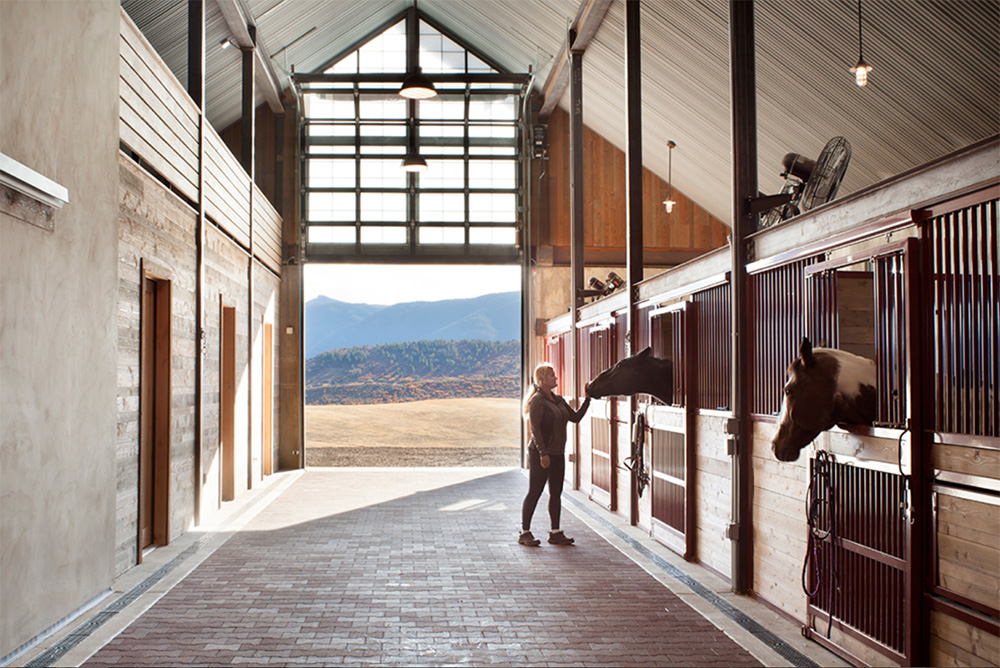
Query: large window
x=357, y=199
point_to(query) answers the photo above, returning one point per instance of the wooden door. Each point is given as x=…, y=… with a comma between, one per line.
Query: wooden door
x=267, y=399
x=154, y=414
x=147, y=412
x=227, y=408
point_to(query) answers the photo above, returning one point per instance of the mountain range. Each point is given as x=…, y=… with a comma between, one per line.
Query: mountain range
x=331, y=324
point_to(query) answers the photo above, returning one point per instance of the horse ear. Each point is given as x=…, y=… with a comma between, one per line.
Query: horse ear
x=806, y=352
x=644, y=352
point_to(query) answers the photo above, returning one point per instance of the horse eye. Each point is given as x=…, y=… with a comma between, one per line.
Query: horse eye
x=788, y=391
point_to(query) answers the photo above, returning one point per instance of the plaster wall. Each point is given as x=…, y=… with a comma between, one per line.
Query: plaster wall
x=58, y=295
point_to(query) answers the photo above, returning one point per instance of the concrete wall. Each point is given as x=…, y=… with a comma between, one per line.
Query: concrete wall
x=58, y=294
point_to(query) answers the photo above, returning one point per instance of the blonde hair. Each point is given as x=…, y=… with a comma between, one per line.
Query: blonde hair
x=540, y=372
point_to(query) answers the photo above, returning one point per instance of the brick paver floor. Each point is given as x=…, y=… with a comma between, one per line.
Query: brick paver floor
x=336, y=571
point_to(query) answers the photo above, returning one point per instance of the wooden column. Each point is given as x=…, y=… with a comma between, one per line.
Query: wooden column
x=742, y=73
x=633, y=202
x=196, y=89
x=576, y=234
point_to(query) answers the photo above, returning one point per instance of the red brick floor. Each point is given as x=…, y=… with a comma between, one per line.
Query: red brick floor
x=433, y=577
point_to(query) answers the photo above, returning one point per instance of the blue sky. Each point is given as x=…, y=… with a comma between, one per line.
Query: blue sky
x=393, y=284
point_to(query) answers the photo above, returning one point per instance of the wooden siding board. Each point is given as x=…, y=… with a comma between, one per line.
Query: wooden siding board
x=969, y=520
x=176, y=108
x=267, y=224
x=154, y=147
x=224, y=186
x=971, y=461
x=180, y=103
x=959, y=643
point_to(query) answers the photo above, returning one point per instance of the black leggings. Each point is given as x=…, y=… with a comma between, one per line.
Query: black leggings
x=537, y=477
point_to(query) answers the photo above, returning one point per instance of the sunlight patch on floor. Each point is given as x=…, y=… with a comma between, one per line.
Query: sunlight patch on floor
x=332, y=491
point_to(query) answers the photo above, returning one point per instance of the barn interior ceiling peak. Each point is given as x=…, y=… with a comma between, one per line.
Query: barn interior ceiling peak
x=934, y=90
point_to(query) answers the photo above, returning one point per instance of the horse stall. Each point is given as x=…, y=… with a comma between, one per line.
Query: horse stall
x=881, y=539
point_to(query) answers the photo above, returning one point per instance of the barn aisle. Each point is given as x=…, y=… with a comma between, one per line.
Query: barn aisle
x=420, y=567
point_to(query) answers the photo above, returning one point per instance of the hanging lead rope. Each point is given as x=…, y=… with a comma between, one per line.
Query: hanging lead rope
x=821, y=516
x=636, y=463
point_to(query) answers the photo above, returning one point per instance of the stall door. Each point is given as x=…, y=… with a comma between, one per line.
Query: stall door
x=671, y=433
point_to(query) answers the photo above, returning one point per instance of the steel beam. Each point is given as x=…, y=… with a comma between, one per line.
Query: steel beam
x=588, y=19
x=240, y=23
x=249, y=100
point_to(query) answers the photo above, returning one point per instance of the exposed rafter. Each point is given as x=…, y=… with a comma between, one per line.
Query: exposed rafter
x=238, y=19
x=584, y=27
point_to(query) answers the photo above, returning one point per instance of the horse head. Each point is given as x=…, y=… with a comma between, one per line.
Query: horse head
x=824, y=387
x=638, y=374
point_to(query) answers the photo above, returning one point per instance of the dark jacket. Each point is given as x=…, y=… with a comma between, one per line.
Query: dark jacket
x=547, y=420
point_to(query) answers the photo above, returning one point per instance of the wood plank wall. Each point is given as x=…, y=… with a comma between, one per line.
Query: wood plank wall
x=158, y=120
x=159, y=124
x=688, y=229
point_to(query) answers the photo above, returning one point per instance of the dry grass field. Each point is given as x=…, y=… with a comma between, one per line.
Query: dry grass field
x=438, y=432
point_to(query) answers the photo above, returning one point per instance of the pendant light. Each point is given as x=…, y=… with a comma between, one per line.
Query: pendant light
x=861, y=70
x=412, y=161
x=417, y=86
x=669, y=202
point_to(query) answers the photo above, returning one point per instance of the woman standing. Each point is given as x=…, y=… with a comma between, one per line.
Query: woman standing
x=548, y=414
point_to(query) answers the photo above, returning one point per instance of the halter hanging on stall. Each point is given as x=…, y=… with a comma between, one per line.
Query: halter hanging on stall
x=821, y=505
x=637, y=463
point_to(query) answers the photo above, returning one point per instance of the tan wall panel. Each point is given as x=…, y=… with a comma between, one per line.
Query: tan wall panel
x=58, y=290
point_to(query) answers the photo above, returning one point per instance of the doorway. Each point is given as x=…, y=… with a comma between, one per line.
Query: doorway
x=267, y=399
x=154, y=414
x=403, y=360
x=227, y=404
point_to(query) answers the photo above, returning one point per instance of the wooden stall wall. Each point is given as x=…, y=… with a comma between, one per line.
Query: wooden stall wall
x=669, y=238
x=962, y=316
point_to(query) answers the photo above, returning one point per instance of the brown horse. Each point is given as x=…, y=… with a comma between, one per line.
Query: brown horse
x=639, y=374
x=825, y=387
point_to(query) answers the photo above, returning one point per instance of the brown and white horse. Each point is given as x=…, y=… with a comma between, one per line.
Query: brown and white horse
x=825, y=387
x=639, y=374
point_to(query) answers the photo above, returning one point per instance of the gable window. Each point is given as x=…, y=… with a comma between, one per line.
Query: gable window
x=467, y=205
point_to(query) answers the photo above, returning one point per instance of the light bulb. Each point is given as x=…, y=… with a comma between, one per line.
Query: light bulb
x=669, y=203
x=861, y=71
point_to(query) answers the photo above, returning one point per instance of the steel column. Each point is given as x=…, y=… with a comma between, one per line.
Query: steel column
x=576, y=234
x=742, y=73
x=916, y=645
x=196, y=89
x=633, y=201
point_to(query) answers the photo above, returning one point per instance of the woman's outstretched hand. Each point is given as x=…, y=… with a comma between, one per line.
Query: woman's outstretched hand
x=586, y=389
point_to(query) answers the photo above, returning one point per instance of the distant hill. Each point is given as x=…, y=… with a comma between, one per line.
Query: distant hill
x=414, y=370
x=332, y=324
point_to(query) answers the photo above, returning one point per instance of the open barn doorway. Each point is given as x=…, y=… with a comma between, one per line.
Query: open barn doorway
x=412, y=365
